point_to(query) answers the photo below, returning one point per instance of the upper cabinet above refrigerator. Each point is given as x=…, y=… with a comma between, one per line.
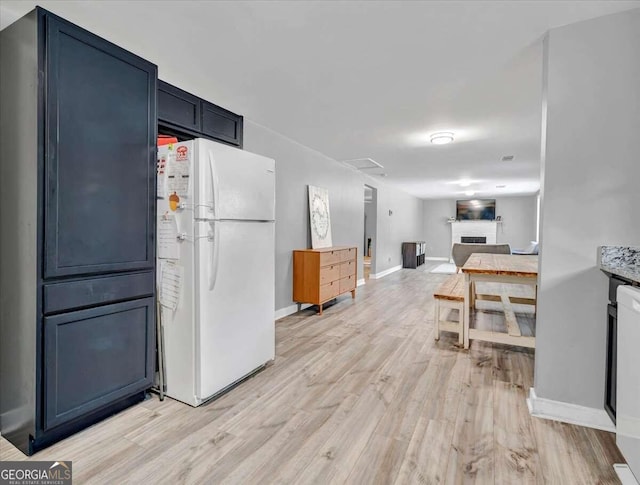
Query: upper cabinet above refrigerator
x=180, y=112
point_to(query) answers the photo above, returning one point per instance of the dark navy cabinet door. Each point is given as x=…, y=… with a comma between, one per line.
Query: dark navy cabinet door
x=178, y=107
x=221, y=124
x=100, y=155
x=94, y=357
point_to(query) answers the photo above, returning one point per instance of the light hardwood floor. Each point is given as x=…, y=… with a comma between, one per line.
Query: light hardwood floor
x=361, y=395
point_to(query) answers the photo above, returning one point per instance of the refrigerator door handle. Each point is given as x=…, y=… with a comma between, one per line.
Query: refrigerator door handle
x=214, y=240
x=213, y=186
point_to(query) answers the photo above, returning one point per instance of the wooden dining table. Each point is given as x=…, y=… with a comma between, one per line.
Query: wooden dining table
x=499, y=268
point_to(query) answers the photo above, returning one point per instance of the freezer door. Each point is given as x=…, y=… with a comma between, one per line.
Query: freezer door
x=235, y=302
x=233, y=184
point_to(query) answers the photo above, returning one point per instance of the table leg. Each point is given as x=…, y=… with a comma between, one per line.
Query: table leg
x=473, y=294
x=466, y=309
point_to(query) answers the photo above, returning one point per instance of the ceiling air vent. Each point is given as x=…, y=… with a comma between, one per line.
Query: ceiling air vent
x=363, y=164
x=508, y=158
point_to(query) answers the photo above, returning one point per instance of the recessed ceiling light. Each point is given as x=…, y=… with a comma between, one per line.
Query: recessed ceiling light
x=469, y=193
x=500, y=186
x=464, y=183
x=442, y=138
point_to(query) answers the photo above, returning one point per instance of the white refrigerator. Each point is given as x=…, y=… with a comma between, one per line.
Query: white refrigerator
x=222, y=328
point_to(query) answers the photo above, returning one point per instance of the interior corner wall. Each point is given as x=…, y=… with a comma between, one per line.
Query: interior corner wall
x=590, y=196
x=518, y=227
x=298, y=166
x=399, y=218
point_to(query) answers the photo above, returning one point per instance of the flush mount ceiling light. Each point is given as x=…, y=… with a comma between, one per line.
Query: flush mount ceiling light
x=442, y=138
x=469, y=193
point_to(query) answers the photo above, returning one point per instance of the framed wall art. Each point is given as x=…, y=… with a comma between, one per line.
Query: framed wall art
x=319, y=217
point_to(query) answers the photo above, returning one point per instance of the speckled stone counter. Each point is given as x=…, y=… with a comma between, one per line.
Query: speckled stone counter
x=622, y=261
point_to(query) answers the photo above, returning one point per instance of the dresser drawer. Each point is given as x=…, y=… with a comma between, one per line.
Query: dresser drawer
x=330, y=290
x=330, y=273
x=347, y=268
x=348, y=254
x=330, y=257
x=348, y=283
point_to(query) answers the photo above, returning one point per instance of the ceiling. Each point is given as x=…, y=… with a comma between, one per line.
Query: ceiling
x=362, y=79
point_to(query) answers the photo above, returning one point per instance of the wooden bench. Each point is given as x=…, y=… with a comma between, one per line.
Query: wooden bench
x=450, y=294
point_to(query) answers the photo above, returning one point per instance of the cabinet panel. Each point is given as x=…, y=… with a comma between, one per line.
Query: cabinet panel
x=99, y=157
x=221, y=124
x=93, y=357
x=178, y=107
x=69, y=295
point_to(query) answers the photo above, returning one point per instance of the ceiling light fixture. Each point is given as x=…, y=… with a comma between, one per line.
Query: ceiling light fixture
x=442, y=138
x=465, y=183
x=469, y=193
x=500, y=186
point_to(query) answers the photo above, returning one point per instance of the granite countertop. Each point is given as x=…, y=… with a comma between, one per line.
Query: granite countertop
x=622, y=261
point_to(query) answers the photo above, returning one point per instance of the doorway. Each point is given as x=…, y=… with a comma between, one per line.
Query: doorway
x=370, y=230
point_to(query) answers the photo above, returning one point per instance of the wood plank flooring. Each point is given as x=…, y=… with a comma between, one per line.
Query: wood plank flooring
x=360, y=395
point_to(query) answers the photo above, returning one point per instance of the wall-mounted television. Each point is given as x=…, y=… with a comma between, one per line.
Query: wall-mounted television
x=476, y=210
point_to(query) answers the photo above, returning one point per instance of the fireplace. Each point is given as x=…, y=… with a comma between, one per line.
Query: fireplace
x=473, y=239
x=474, y=232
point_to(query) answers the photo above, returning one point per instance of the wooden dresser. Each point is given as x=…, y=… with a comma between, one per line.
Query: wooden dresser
x=320, y=275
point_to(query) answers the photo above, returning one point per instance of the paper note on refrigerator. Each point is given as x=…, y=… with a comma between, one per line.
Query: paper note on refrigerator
x=168, y=237
x=161, y=176
x=178, y=171
x=170, y=283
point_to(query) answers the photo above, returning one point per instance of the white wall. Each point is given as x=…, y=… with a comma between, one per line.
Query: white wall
x=518, y=225
x=590, y=196
x=298, y=166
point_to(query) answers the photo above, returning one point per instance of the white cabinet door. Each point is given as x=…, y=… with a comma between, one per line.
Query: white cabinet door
x=628, y=391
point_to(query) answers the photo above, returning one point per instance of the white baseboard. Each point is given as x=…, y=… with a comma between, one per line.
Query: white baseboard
x=361, y=282
x=625, y=474
x=386, y=272
x=433, y=258
x=569, y=413
x=290, y=310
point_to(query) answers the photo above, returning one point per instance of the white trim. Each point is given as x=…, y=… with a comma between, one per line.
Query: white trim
x=569, y=413
x=625, y=474
x=433, y=258
x=386, y=272
x=290, y=310
x=361, y=282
